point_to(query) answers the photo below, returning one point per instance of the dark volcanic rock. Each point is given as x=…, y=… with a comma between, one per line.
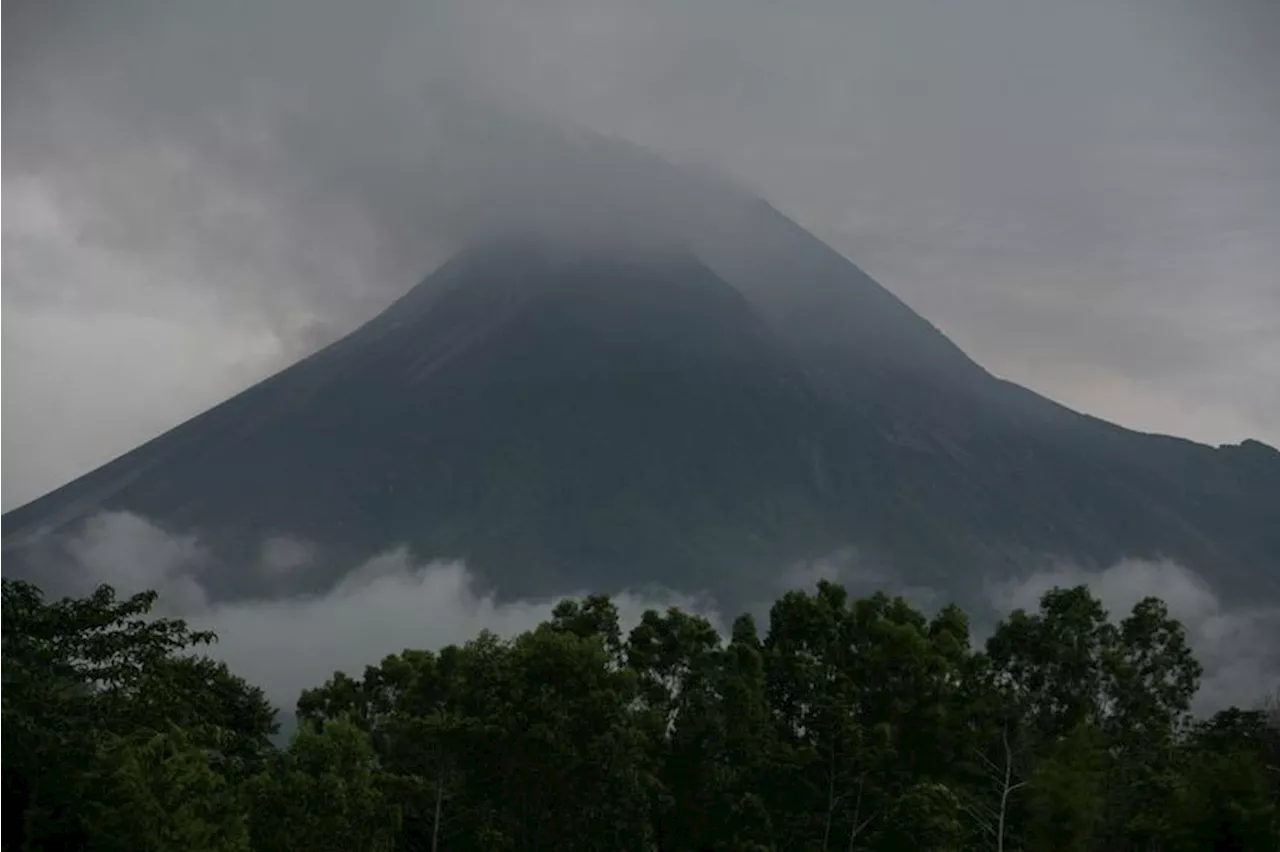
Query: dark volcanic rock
x=700, y=417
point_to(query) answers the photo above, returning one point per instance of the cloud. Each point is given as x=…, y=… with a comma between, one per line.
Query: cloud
x=1238, y=646
x=394, y=601
x=1119, y=587
x=283, y=555
x=387, y=604
x=69, y=407
x=134, y=555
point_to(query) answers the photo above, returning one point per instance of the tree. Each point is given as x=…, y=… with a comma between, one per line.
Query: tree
x=749, y=741
x=1002, y=776
x=1050, y=664
x=1228, y=801
x=81, y=672
x=1150, y=677
x=924, y=817
x=1064, y=796
x=863, y=694
x=569, y=773
x=820, y=788
x=324, y=793
x=854, y=724
x=156, y=792
x=593, y=617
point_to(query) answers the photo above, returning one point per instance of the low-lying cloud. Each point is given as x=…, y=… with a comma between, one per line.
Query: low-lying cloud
x=1239, y=647
x=387, y=604
x=394, y=601
x=132, y=554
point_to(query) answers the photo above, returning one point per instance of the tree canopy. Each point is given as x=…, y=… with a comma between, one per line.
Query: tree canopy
x=845, y=724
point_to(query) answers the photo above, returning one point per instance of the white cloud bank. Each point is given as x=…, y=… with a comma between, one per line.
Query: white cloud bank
x=1239, y=647
x=393, y=602
x=384, y=606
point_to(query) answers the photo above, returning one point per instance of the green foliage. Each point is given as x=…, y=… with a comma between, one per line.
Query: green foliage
x=325, y=792
x=157, y=792
x=849, y=725
x=926, y=817
x=1064, y=801
x=97, y=689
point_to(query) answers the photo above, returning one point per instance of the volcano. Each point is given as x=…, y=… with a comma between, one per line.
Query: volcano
x=699, y=412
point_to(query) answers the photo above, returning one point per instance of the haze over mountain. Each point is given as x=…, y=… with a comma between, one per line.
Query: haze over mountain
x=677, y=386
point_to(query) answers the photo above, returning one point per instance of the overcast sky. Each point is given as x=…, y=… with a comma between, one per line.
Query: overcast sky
x=1084, y=194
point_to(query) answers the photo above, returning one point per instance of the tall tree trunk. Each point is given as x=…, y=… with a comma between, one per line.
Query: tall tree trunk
x=1006, y=789
x=435, y=824
x=831, y=795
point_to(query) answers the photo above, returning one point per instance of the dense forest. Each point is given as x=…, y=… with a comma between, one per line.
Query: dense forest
x=849, y=725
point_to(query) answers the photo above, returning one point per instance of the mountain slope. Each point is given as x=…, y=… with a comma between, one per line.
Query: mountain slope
x=700, y=415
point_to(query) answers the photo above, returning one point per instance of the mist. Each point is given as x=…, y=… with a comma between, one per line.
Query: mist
x=394, y=601
x=286, y=644
x=1238, y=646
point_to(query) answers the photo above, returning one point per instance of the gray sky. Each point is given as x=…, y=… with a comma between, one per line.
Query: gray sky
x=1084, y=195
